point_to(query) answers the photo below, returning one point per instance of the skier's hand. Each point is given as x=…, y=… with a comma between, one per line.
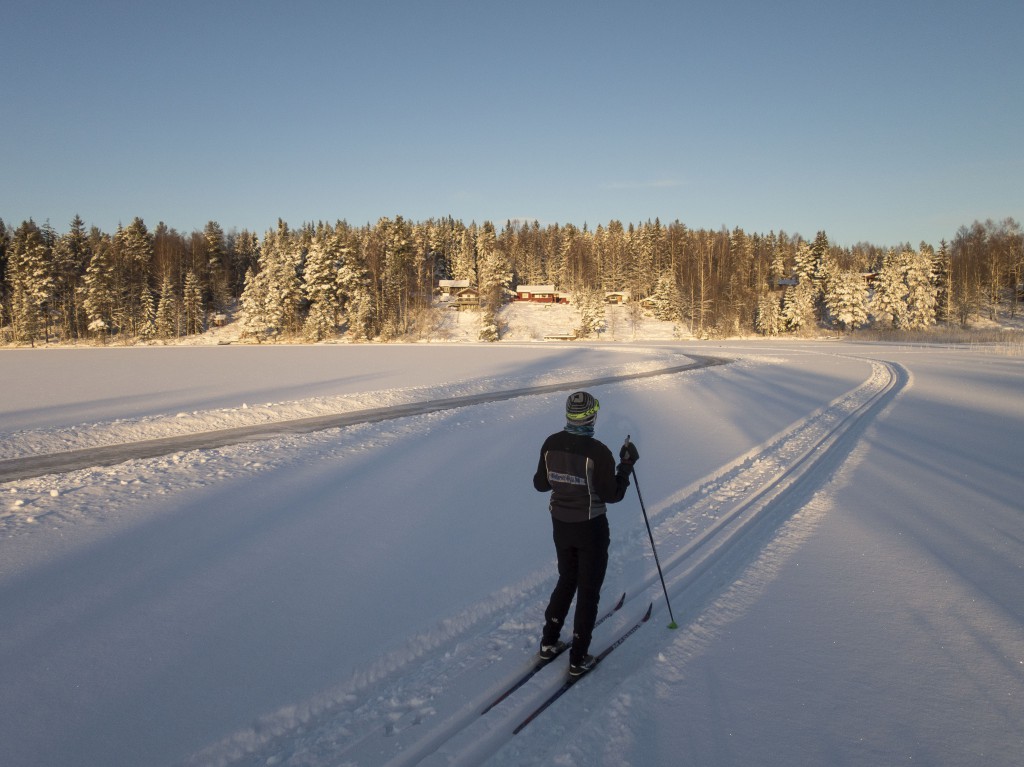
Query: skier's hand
x=628, y=455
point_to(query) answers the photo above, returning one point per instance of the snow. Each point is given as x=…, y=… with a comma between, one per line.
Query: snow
x=839, y=525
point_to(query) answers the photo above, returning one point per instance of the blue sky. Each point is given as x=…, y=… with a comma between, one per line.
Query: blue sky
x=883, y=122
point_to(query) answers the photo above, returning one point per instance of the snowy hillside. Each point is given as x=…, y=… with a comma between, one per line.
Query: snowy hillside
x=520, y=321
x=839, y=526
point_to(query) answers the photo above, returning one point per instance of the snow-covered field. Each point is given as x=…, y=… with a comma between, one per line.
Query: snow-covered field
x=840, y=528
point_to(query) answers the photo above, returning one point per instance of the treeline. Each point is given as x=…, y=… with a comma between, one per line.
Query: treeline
x=320, y=281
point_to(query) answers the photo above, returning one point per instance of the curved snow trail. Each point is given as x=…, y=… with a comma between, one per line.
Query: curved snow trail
x=28, y=467
x=707, y=534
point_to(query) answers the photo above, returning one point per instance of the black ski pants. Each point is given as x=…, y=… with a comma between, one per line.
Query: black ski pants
x=582, y=549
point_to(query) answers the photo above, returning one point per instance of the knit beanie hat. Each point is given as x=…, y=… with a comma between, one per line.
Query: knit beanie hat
x=581, y=409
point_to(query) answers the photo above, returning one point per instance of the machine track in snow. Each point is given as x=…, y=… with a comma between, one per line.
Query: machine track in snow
x=707, y=533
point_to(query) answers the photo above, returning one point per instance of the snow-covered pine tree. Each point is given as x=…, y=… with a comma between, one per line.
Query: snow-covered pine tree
x=820, y=250
x=888, y=299
x=533, y=269
x=769, y=315
x=71, y=255
x=135, y=250
x=643, y=275
x=320, y=283
x=666, y=299
x=943, y=272
x=256, y=322
x=495, y=275
x=921, y=293
x=798, y=306
x=424, y=260
x=166, y=310
x=805, y=262
x=31, y=284
x=245, y=256
x=846, y=299
x=100, y=294
x=464, y=263
x=589, y=303
x=147, y=313
x=277, y=290
x=192, y=301
x=358, y=300
x=777, y=263
x=394, y=238
x=5, y=243
x=217, y=267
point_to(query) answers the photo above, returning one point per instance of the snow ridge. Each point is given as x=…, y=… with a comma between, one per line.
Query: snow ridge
x=30, y=442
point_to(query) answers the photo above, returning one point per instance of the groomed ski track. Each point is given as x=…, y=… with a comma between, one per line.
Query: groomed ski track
x=28, y=467
x=709, y=533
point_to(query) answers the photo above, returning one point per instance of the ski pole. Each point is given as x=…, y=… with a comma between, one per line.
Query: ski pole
x=636, y=483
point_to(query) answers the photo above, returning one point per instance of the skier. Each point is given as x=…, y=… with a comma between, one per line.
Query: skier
x=582, y=477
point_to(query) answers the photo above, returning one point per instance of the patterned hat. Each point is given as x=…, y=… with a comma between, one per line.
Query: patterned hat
x=581, y=408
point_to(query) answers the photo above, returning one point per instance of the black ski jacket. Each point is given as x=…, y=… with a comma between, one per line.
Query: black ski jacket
x=581, y=475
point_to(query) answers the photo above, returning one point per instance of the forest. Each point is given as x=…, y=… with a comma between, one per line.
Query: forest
x=378, y=282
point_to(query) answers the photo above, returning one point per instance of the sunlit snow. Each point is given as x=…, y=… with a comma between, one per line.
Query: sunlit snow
x=840, y=527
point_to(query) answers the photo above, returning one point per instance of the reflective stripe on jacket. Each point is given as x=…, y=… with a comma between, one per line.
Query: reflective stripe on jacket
x=580, y=473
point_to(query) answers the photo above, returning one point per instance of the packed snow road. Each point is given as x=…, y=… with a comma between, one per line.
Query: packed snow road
x=840, y=528
x=29, y=466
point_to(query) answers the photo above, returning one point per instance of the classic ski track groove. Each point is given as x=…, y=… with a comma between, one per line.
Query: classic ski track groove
x=757, y=492
x=568, y=683
x=538, y=666
x=28, y=467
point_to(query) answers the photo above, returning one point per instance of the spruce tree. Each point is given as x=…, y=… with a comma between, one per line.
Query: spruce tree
x=590, y=304
x=360, y=311
x=5, y=242
x=147, y=313
x=798, y=306
x=888, y=299
x=921, y=293
x=666, y=299
x=942, y=270
x=805, y=262
x=321, y=286
x=167, y=310
x=100, y=295
x=846, y=299
x=135, y=250
x=395, y=296
x=245, y=256
x=192, y=300
x=217, y=266
x=277, y=286
x=30, y=280
x=71, y=255
x=494, y=275
x=768, y=321
x=464, y=266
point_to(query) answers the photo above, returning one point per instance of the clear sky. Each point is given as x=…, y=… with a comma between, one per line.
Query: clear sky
x=878, y=121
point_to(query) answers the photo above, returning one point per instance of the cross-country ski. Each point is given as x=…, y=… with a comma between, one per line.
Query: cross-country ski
x=572, y=680
x=542, y=662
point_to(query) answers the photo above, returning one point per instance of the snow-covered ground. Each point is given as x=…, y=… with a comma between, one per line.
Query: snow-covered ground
x=839, y=525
